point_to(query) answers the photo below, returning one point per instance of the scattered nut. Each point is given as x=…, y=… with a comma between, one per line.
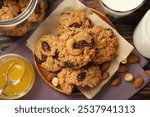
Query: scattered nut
x=128, y=77
x=148, y=72
x=55, y=81
x=138, y=82
x=105, y=75
x=124, y=61
x=133, y=59
x=105, y=66
x=123, y=68
x=116, y=81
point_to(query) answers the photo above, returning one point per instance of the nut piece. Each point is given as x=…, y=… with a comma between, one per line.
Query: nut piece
x=105, y=75
x=105, y=66
x=116, y=81
x=124, y=61
x=133, y=59
x=70, y=49
x=128, y=77
x=123, y=68
x=148, y=72
x=138, y=82
x=55, y=81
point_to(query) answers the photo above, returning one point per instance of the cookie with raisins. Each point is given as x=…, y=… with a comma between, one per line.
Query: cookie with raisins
x=76, y=48
x=47, y=53
x=71, y=21
x=84, y=77
x=106, y=44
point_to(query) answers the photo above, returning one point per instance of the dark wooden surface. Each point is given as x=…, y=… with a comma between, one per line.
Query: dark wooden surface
x=125, y=26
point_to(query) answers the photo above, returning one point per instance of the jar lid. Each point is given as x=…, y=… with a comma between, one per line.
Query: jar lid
x=22, y=17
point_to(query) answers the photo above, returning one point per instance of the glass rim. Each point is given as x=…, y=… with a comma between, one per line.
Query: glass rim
x=122, y=11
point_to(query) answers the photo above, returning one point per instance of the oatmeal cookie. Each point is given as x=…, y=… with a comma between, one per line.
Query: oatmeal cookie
x=80, y=77
x=106, y=44
x=18, y=30
x=39, y=12
x=73, y=20
x=76, y=48
x=8, y=9
x=47, y=53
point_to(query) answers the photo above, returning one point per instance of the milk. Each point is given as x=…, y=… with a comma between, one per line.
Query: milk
x=122, y=5
x=141, y=36
x=119, y=8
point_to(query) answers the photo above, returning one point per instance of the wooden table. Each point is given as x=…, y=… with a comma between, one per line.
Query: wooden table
x=125, y=26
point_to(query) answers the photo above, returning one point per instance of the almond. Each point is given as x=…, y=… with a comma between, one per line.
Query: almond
x=116, y=81
x=105, y=66
x=123, y=68
x=138, y=82
x=105, y=75
x=148, y=72
x=133, y=59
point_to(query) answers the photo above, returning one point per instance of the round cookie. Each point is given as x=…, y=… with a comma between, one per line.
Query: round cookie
x=106, y=44
x=47, y=53
x=39, y=12
x=84, y=77
x=76, y=48
x=73, y=20
x=8, y=9
x=18, y=30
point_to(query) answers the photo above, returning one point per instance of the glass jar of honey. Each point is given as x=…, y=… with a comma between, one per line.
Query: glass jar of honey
x=16, y=76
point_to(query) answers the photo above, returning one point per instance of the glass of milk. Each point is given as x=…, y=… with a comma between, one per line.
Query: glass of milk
x=120, y=8
x=141, y=36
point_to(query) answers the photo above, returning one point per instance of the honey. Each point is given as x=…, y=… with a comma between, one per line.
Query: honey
x=18, y=70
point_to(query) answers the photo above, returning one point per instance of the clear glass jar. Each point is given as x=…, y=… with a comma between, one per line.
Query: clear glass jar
x=141, y=36
x=29, y=13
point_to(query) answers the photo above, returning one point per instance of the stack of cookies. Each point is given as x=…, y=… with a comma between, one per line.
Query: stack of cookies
x=80, y=53
x=12, y=8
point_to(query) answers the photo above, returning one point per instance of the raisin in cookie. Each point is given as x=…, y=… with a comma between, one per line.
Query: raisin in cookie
x=39, y=12
x=76, y=48
x=18, y=30
x=106, y=44
x=73, y=20
x=80, y=77
x=47, y=53
x=8, y=9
